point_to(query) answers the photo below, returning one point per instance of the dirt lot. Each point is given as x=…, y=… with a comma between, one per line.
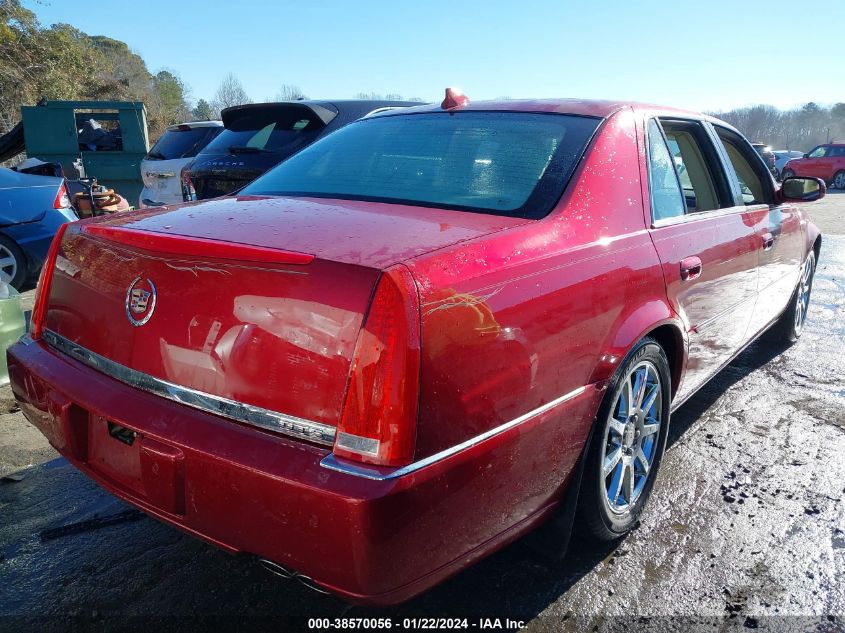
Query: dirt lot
x=746, y=525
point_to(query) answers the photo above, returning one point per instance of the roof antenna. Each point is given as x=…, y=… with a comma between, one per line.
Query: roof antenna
x=454, y=99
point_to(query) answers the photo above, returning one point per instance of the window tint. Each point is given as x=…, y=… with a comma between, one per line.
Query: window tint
x=667, y=200
x=183, y=143
x=505, y=163
x=819, y=152
x=689, y=148
x=837, y=152
x=280, y=130
x=747, y=168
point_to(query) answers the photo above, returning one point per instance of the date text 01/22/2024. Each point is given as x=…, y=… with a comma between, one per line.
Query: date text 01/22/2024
x=501, y=624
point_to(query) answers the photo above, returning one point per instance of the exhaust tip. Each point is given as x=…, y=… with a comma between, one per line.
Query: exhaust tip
x=290, y=574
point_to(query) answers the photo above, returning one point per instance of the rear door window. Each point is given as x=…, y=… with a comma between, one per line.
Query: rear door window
x=697, y=165
x=667, y=199
x=182, y=143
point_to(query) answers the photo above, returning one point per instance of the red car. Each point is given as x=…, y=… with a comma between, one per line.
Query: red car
x=825, y=161
x=419, y=338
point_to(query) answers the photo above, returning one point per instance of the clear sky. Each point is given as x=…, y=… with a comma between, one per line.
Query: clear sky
x=709, y=55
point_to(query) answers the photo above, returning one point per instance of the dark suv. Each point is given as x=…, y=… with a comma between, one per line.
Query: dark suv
x=258, y=136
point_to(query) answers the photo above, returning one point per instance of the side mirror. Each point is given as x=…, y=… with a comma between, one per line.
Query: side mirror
x=806, y=156
x=802, y=189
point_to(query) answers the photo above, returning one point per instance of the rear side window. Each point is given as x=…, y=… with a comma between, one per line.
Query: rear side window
x=182, y=143
x=697, y=165
x=503, y=163
x=667, y=200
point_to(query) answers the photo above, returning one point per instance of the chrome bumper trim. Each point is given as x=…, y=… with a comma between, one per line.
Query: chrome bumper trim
x=369, y=472
x=256, y=416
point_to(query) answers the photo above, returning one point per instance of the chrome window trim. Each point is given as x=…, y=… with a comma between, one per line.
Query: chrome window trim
x=255, y=416
x=367, y=472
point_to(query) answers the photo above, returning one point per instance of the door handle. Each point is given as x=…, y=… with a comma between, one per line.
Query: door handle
x=768, y=241
x=690, y=268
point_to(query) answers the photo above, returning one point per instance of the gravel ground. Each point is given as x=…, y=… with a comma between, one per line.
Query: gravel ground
x=829, y=212
x=746, y=525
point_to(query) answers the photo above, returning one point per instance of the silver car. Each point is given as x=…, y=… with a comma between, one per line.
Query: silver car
x=162, y=166
x=12, y=325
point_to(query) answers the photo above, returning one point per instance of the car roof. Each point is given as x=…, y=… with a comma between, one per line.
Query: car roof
x=193, y=124
x=340, y=105
x=582, y=107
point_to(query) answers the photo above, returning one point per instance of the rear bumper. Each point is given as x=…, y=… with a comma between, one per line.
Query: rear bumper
x=250, y=491
x=150, y=197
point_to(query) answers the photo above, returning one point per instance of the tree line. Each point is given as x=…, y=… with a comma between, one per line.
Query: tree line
x=63, y=62
x=801, y=128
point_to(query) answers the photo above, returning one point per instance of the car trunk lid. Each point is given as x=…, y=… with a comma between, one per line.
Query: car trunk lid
x=270, y=330
x=256, y=302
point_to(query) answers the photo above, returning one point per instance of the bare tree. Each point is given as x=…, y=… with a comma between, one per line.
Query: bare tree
x=377, y=96
x=230, y=93
x=798, y=129
x=289, y=93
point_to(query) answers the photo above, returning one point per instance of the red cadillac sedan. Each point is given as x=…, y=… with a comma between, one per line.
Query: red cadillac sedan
x=419, y=338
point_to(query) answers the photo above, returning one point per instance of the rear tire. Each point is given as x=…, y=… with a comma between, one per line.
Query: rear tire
x=838, y=181
x=627, y=445
x=789, y=326
x=12, y=263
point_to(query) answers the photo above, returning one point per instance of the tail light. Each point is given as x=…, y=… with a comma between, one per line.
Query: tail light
x=378, y=424
x=62, y=200
x=189, y=194
x=42, y=292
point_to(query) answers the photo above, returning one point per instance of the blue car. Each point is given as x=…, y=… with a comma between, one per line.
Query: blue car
x=32, y=208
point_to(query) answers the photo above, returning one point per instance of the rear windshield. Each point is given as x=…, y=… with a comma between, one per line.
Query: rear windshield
x=503, y=163
x=182, y=143
x=267, y=130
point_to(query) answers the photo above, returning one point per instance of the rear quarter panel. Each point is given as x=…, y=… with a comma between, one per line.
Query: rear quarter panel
x=515, y=320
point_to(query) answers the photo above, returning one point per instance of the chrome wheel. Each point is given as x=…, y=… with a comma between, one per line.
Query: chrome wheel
x=839, y=180
x=631, y=438
x=805, y=283
x=8, y=265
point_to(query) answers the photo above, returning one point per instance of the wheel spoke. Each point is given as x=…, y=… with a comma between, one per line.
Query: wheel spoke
x=629, y=482
x=7, y=261
x=616, y=484
x=610, y=462
x=5, y=278
x=616, y=426
x=652, y=398
x=629, y=398
x=640, y=382
x=640, y=456
x=650, y=429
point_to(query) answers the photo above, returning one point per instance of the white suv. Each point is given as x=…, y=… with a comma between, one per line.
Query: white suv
x=161, y=167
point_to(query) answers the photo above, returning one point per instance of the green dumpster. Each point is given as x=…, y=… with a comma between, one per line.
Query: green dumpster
x=52, y=133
